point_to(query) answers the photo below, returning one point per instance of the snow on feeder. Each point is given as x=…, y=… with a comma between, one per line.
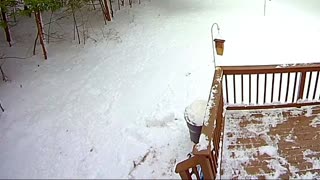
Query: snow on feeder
x=194, y=115
x=219, y=46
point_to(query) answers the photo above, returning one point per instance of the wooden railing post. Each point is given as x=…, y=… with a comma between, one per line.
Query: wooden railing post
x=206, y=167
x=301, y=85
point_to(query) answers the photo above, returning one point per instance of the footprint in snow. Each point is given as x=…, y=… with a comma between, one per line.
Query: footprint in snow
x=161, y=122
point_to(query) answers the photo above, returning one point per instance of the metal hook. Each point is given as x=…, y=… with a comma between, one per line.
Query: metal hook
x=214, y=57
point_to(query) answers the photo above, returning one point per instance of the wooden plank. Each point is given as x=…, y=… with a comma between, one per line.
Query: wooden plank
x=280, y=86
x=272, y=87
x=301, y=85
x=309, y=83
x=205, y=167
x=298, y=127
x=234, y=89
x=316, y=86
x=242, y=96
x=294, y=86
x=185, y=175
x=288, y=84
x=187, y=164
x=208, y=129
x=265, y=87
x=270, y=106
x=227, y=92
x=264, y=69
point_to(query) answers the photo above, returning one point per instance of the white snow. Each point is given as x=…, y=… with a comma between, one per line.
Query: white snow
x=203, y=142
x=290, y=138
x=195, y=112
x=278, y=167
x=315, y=122
x=296, y=112
x=308, y=155
x=210, y=104
x=113, y=108
x=269, y=150
x=308, y=112
x=307, y=175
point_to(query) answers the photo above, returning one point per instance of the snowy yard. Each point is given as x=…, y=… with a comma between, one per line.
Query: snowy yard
x=113, y=108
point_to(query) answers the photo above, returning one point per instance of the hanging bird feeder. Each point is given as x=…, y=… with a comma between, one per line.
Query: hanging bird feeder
x=219, y=43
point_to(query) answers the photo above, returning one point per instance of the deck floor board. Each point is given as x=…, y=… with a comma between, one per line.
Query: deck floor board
x=276, y=143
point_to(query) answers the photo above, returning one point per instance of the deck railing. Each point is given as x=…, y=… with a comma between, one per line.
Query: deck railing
x=247, y=87
x=251, y=87
x=207, y=150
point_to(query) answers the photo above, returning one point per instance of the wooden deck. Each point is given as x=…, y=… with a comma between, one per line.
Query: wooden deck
x=276, y=143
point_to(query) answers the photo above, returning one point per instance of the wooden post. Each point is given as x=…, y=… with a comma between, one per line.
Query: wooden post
x=185, y=175
x=301, y=85
x=205, y=167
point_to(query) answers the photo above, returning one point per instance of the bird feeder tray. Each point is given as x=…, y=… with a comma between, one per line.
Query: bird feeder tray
x=219, y=46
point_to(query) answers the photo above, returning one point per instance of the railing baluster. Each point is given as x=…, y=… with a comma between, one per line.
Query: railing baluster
x=280, y=85
x=288, y=83
x=249, y=88
x=309, y=83
x=316, y=86
x=195, y=171
x=242, y=99
x=294, y=86
x=234, y=89
x=272, y=87
x=301, y=85
x=265, y=87
x=226, y=81
x=257, y=100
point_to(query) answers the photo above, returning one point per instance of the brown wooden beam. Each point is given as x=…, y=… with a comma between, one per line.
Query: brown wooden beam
x=271, y=106
x=262, y=69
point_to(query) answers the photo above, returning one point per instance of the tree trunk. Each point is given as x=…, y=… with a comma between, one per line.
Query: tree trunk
x=75, y=26
x=94, y=7
x=4, y=77
x=35, y=43
x=103, y=11
x=39, y=22
x=107, y=10
x=111, y=8
x=48, y=36
x=2, y=109
x=130, y=3
x=6, y=27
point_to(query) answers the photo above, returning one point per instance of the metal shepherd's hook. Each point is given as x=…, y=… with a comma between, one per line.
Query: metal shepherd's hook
x=214, y=57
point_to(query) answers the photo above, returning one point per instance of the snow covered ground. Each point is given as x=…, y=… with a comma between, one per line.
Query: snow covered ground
x=113, y=108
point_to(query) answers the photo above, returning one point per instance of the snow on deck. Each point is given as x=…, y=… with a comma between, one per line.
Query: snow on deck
x=276, y=143
x=113, y=108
